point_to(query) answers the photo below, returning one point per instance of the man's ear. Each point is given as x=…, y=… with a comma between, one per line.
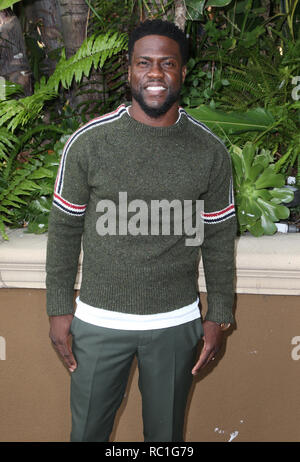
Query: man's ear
x=129, y=73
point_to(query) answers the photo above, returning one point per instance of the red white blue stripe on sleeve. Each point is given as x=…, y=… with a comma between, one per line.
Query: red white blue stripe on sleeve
x=224, y=214
x=58, y=199
x=68, y=207
x=229, y=211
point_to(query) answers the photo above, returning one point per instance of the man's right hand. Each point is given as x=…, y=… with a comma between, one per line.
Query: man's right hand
x=59, y=335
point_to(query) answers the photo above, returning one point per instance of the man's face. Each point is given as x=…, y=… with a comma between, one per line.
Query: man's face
x=156, y=74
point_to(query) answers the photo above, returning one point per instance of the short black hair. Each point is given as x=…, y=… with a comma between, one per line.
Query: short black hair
x=159, y=27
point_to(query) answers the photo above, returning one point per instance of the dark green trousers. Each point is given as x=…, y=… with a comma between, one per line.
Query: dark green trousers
x=104, y=356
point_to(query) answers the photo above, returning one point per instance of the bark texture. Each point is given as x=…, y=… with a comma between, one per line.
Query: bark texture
x=180, y=14
x=73, y=14
x=14, y=64
x=44, y=15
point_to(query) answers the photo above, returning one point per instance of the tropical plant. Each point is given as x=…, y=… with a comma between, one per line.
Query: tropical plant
x=93, y=52
x=28, y=162
x=29, y=190
x=240, y=83
x=259, y=190
x=27, y=176
x=232, y=123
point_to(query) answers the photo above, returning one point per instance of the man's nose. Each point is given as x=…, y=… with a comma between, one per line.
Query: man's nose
x=155, y=71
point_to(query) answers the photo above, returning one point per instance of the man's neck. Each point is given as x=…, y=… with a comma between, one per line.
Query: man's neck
x=165, y=120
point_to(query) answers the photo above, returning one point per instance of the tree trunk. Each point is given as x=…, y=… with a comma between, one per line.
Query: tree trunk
x=74, y=18
x=74, y=14
x=180, y=14
x=13, y=60
x=44, y=16
x=155, y=8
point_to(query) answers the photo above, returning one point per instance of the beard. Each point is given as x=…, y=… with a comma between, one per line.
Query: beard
x=155, y=112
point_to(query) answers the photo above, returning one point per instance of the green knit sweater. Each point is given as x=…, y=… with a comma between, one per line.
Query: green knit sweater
x=143, y=273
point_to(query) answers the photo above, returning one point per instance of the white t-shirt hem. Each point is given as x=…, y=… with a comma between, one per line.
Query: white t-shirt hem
x=123, y=321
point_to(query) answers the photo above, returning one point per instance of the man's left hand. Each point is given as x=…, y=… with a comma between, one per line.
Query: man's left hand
x=213, y=337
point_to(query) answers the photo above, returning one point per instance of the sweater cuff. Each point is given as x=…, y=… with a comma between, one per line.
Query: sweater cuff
x=219, y=308
x=60, y=301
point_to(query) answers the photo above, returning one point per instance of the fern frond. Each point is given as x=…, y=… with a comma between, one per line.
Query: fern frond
x=18, y=113
x=9, y=109
x=7, y=142
x=93, y=52
x=22, y=181
x=8, y=88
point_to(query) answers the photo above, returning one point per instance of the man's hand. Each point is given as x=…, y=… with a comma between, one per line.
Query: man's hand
x=59, y=335
x=213, y=337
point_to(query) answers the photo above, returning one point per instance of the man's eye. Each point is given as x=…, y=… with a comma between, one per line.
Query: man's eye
x=142, y=63
x=169, y=64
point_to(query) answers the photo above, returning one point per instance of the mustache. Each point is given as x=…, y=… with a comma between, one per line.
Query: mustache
x=155, y=81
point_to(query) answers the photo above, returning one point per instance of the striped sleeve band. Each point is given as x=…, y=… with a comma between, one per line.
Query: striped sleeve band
x=58, y=199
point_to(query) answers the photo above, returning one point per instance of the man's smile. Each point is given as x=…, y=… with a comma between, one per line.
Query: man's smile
x=155, y=90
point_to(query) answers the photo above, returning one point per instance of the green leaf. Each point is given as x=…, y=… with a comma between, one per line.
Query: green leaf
x=242, y=219
x=263, y=193
x=2, y=229
x=218, y=3
x=255, y=171
x=253, y=209
x=5, y=210
x=7, y=3
x=13, y=204
x=235, y=122
x=263, y=158
x=237, y=164
x=269, y=179
x=195, y=9
x=39, y=225
x=29, y=185
x=8, y=88
x=282, y=195
x=256, y=229
x=46, y=187
x=273, y=211
x=268, y=226
x=248, y=156
x=42, y=204
x=41, y=173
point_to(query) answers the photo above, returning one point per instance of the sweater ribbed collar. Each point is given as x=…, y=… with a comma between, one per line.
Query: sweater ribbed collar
x=132, y=123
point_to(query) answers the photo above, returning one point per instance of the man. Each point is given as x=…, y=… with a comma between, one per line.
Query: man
x=138, y=295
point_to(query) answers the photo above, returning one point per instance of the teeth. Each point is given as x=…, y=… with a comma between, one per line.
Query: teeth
x=155, y=88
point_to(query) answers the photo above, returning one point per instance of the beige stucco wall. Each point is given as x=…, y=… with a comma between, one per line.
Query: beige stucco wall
x=249, y=393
